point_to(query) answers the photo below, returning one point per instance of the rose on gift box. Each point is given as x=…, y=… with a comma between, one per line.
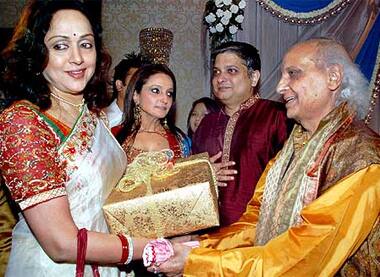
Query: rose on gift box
x=157, y=198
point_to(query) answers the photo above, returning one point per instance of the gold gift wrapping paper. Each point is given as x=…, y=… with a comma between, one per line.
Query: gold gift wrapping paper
x=177, y=201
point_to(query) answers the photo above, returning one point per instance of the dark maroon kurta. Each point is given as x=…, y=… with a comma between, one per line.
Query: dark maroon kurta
x=259, y=133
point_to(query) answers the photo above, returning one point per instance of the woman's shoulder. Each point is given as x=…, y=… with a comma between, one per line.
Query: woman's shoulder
x=19, y=111
x=25, y=118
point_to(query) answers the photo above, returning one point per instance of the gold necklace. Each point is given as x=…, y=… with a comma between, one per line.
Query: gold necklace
x=159, y=132
x=78, y=106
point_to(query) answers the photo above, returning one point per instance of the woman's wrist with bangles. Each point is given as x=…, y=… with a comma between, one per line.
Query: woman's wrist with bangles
x=127, y=248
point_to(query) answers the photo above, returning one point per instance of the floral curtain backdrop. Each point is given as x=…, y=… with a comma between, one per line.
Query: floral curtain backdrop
x=10, y=12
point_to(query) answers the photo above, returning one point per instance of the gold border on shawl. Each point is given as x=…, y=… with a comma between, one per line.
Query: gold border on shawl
x=314, y=17
x=267, y=227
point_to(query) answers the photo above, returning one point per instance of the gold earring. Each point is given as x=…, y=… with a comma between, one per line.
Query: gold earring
x=166, y=126
x=137, y=113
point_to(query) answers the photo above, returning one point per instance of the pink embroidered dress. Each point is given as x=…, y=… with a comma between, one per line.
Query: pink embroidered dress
x=39, y=163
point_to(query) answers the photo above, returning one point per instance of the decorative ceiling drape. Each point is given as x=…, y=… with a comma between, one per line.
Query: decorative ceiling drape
x=304, y=12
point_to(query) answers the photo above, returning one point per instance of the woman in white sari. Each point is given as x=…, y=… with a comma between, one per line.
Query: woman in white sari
x=58, y=157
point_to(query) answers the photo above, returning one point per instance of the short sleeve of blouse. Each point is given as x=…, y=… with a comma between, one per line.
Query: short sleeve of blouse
x=30, y=164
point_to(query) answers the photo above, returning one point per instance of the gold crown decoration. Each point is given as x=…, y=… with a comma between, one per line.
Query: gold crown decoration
x=156, y=43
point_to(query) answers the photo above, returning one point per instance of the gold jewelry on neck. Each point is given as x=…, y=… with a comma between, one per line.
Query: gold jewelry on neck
x=59, y=98
x=158, y=132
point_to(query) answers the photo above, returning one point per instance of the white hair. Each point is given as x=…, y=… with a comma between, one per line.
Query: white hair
x=354, y=87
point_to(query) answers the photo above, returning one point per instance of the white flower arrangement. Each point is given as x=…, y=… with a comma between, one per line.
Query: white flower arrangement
x=223, y=19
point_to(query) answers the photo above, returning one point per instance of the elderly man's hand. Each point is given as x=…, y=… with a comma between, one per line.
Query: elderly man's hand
x=174, y=266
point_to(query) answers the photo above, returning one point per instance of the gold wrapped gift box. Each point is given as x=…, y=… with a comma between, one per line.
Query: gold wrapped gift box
x=170, y=200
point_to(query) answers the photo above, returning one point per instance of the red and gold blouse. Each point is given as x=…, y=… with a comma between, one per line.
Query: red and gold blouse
x=30, y=164
x=174, y=145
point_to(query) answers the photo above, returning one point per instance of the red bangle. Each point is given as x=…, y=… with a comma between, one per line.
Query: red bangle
x=125, y=248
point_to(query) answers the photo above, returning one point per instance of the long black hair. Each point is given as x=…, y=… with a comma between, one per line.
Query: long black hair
x=26, y=56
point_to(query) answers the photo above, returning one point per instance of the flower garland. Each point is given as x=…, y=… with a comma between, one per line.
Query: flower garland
x=223, y=19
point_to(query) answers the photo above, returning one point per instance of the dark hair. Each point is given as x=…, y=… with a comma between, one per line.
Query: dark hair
x=211, y=106
x=131, y=60
x=130, y=127
x=26, y=56
x=245, y=51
